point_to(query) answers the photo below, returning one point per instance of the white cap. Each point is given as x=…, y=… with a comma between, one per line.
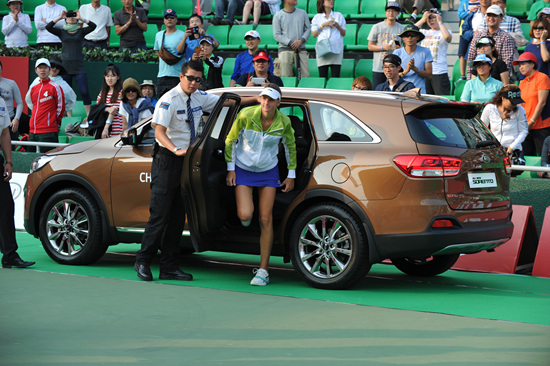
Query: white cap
x=545, y=11
x=272, y=93
x=252, y=33
x=41, y=61
x=495, y=9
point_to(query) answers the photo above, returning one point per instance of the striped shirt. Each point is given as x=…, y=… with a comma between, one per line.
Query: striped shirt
x=116, y=125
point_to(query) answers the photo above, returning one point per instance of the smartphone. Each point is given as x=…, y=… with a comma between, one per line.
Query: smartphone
x=397, y=43
x=197, y=51
x=258, y=81
x=195, y=30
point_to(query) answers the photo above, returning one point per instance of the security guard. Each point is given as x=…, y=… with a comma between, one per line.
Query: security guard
x=176, y=120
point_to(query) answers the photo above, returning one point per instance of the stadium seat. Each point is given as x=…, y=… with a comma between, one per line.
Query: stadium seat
x=289, y=81
x=69, y=4
x=372, y=9
x=348, y=68
x=525, y=28
x=518, y=8
x=348, y=8
x=4, y=10
x=350, y=39
x=362, y=42
x=459, y=87
x=313, y=69
x=1, y=34
x=364, y=68
x=268, y=40
x=79, y=110
x=235, y=40
x=312, y=82
x=226, y=80
x=530, y=161
x=339, y=83
x=66, y=121
x=220, y=32
x=310, y=44
x=311, y=8
x=228, y=66
x=184, y=8
x=302, y=4
x=150, y=35
x=75, y=139
x=115, y=6
x=114, y=39
x=156, y=10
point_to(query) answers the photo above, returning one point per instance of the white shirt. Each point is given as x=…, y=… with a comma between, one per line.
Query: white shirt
x=437, y=45
x=68, y=92
x=171, y=112
x=332, y=33
x=4, y=115
x=102, y=17
x=48, y=12
x=16, y=32
x=510, y=132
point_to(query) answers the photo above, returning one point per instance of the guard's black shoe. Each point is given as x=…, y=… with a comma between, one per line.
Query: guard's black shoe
x=178, y=274
x=16, y=262
x=143, y=272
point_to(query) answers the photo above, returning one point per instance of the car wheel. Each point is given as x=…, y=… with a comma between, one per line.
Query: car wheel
x=425, y=267
x=70, y=228
x=329, y=248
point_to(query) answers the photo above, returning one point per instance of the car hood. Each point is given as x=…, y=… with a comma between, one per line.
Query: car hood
x=73, y=148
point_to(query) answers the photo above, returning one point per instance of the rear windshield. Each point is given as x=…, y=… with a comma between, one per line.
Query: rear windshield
x=453, y=131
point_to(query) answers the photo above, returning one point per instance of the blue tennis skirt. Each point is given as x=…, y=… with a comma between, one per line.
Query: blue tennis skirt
x=268, y=178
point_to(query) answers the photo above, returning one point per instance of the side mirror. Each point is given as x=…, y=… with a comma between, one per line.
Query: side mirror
x=130, y=137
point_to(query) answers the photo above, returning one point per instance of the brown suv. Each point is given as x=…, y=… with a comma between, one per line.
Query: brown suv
x=419, y=180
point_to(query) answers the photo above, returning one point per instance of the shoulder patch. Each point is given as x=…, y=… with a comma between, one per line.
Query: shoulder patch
x=202, y=92
x=164, y=105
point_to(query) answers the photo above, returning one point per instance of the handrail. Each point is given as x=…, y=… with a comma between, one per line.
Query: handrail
x=38, y=144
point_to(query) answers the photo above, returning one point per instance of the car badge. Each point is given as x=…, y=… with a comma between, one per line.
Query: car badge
x=485, y=158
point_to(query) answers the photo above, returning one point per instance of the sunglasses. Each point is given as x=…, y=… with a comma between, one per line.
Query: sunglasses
x=407, y=35
x=169, y=17
x=194, y=78
x=261, y=61
x=539, y=28
x=131, y=91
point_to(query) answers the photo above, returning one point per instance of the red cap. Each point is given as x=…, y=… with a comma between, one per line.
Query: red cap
x=261, y=56
x=525, y=56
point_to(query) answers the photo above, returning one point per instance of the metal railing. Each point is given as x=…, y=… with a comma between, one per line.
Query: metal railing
x=38, y=144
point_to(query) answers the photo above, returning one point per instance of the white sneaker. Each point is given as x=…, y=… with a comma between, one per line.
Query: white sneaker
x=261, y=277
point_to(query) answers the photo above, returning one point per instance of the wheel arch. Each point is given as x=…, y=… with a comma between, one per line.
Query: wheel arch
x=317, y=196
x=63, y=181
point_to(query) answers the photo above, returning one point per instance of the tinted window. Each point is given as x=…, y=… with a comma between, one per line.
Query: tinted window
x=333, y=124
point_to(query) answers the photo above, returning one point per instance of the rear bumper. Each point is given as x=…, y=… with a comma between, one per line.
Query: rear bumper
x=445, y=241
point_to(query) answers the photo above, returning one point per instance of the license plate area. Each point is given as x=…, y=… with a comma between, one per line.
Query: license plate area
x=482, y=180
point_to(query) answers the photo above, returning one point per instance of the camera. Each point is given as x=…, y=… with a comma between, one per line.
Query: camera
x=71, y=14
x=195, y=30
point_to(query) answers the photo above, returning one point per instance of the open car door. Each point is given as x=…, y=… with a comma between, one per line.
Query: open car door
x=206, y=195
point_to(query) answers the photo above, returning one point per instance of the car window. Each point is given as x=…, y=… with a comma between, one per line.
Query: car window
x=334, y=124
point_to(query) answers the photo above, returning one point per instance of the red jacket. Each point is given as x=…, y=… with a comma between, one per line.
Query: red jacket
x=48, y=107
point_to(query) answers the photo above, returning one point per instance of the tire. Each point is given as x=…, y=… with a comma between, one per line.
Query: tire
x=70, y=227
x=329, y=248
x=426, y=267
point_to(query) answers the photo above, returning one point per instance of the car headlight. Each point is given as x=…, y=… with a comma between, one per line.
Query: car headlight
x=40, y=162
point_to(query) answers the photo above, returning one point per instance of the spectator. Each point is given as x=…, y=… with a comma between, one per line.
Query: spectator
x=329, y=25
x=16, y=26
x=466, y=13
x=499, y=70
x=414, y=7
x=233, y=7
x=9, y=93
x=383, y=40
x=545, y=158
x=110, y=96
x=480, y=15
x=149, y=90
x=133, y=106
x=535, y=88
x=130, y=24
x=8, y=241
x=417, y=58
x=73, y=60
x=361, y=83
x=482, y=88
x=291, y=28
x=213, y=71
x=504, y=43
x=101, y=16
x=509, y=24
x=506, y=118
x=536, y=8
x=253, y=163
x=437, y=40
x=48, y=106
x=191, y=39
x=145, y=4
x=544, y=13
x=56, y=67
x=170, y=40
x=537, y=46
x=243, y=62
x=43, y=14
x=261, y=7
x=392, y=71
x=261, y=75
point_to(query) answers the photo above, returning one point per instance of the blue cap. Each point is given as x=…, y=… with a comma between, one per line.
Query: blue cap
x=481, y=58
x=170, y=12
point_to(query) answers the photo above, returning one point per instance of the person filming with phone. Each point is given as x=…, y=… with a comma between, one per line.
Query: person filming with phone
x=261, y=75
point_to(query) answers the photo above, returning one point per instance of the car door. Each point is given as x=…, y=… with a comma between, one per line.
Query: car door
x=207, y=197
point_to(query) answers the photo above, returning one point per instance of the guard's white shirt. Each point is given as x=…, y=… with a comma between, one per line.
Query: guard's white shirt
x=16, y=32
x=171, y=112
x=48, y=12
x=101, y=17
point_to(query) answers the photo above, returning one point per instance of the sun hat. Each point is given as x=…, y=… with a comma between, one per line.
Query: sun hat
x=411, y=28
x=481, y=58
x=147, y=82
x=131, y=83
x=526, y=56
x=270, y=92
x=252, y=33
x=514, y=96
x=56, y=61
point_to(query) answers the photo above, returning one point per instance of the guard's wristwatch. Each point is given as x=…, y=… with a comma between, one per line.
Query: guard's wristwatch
x=176, y=149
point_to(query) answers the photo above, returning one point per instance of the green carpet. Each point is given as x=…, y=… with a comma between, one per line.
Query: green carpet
x=514, y=298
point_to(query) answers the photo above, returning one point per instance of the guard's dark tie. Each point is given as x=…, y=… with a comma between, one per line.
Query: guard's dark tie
x=190, y=119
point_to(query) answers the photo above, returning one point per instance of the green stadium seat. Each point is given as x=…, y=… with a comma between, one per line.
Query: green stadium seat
x=219, y=32
x=364, y=68
x=226, y=80
x=66, y=121
x=69, y=4
x=350, y=39
x=184, y=8
x=76, y=139
x=459, y=87
x=302, y=4
x=228, y=66
x=525, y=28
x=156, y=10
x=310, y=44
x=313, y=69
x=268, y=40
x=289, y=81
x=114, y=39
x=312, y=82
x=1, y=34
x=79, y=110
x=362, y=41
x=372, y=9
x=530, y=161
x=4, y=10
x=235, y=40
x=115, y=6
x=518, y=8
x=311, y=8
x=349, y=8
x=348, y=68
x=150, y=35
x=339, y=83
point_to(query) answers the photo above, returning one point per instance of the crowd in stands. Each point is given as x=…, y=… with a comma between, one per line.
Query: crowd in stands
x=409, y=50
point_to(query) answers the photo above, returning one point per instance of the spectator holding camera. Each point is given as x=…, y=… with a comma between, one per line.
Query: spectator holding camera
x=214, y=65
x=261, y=75
x=191, y=39
x=130, y=24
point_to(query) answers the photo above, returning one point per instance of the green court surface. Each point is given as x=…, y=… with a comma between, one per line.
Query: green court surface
x=103, y=315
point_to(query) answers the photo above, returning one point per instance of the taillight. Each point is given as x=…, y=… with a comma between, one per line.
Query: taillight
x=507, y=165
x=428, y=166
x=442, y=224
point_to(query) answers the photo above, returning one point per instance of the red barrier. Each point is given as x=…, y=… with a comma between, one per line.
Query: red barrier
x=17, y=69
x=541, y=267
x=520, y=249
